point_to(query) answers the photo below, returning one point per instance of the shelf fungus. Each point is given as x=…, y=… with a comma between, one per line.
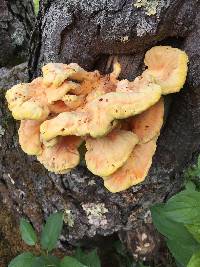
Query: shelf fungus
x=63, y=156
x=29, y=137
x=134, y=170
x=119, y=120
x=106, y=154
x=168, y=66
x=148, y=124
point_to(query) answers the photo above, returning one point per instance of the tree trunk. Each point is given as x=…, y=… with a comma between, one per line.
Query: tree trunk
x=90, y=33
x=17, y=20
x=16, y=23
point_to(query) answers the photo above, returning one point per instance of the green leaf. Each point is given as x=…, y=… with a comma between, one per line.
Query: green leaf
x=180, y=242
x=71, y=262
x=190, y=186
x=193, y=171
x=194, y=229
x=195, y=260
x=28, y=233
x=182, y=252
x=25, y=259
x=184, y=207
x=52, y=231
x=36, y=6
x=46, y=261
x=177, y=264
x=168, y=228
x=90, y=259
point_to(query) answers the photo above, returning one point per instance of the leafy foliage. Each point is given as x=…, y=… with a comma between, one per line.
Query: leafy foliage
x=194, y=229
x=49, y=237
x=46, y=261
x=90, y=259
x=195, y=260
x=27, y=232
x=193, y=174
x=71, y=262
x=24, y=259
x=36, y=5
x=51, y=231
x=179, y=220
x=184, y=207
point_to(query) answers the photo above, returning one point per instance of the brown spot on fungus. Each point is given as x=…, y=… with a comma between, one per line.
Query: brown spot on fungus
x=73, y=101
x=104, y=85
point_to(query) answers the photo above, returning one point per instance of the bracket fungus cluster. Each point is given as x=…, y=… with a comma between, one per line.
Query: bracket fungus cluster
x=118, y=121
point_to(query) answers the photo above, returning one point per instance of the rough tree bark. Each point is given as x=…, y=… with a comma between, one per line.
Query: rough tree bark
x=91, y=32
x=16, y=23
x=17, y=20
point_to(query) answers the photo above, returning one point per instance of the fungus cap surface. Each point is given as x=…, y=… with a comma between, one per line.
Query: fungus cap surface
x=106, y=154
x=29, y=137
x=54, y=94
x=61, y=157
x=17, y=95
x=148, y=124
x=58, y=107
x=80, y=74
x=134, y=170
x=54, y=74
x=73, y=101
x=28, y=101
x=32, y=109
x=103, y=86
x=168, y=66
x=96, y=118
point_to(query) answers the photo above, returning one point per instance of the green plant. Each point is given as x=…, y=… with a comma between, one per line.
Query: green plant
x=48, y=240
x=179, y=221
x=193, y=174
x=36, y=5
